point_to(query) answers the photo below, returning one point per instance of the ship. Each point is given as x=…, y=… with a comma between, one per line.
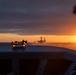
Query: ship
x=41, y=40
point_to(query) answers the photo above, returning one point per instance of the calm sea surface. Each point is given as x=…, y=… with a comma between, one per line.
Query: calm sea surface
x=64, y=45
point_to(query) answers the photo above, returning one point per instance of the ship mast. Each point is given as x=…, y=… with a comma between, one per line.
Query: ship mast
x=44, y=39
x=41, y=38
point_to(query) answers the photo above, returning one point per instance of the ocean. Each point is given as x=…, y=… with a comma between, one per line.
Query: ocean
x=63, y=45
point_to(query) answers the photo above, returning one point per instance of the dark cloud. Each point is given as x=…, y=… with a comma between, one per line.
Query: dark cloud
x=32, y=17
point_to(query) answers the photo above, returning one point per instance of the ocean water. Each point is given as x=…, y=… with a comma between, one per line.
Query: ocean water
x=72, y=46
x=63, y=45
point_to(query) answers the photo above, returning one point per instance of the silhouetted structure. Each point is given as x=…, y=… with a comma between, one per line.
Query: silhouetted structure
x=74, y=9
x=16, y=44
x=41, y=40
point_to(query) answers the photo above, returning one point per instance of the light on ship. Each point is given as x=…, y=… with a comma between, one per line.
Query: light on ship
x=14, y=45
x=23, y=45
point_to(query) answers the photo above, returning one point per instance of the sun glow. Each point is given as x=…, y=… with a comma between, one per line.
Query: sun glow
x=74, y=39
x=32, y=38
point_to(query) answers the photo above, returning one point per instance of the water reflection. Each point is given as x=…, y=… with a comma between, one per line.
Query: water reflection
x=65, y=45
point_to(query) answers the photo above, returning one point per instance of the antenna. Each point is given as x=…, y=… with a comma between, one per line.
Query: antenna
x=44, y=39
x=41, y=38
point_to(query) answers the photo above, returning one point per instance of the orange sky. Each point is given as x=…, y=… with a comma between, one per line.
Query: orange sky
x=31, y=38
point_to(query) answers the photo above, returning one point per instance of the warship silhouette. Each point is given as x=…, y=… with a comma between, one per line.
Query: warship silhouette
x=41, y=40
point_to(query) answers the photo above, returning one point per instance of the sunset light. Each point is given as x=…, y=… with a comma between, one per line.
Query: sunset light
x=74, y=39
x=37, y=37
x=34, y=38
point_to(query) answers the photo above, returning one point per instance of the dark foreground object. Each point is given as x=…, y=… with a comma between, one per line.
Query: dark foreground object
x=74, y=9
x=29, y=66
x=17, y=48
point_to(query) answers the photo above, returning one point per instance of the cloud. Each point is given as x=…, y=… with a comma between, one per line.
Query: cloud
x=32, y=17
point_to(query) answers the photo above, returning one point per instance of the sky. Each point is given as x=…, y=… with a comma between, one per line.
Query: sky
x=23, y=19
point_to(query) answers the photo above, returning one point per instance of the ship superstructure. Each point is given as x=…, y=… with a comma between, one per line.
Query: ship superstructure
x=41, y=40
